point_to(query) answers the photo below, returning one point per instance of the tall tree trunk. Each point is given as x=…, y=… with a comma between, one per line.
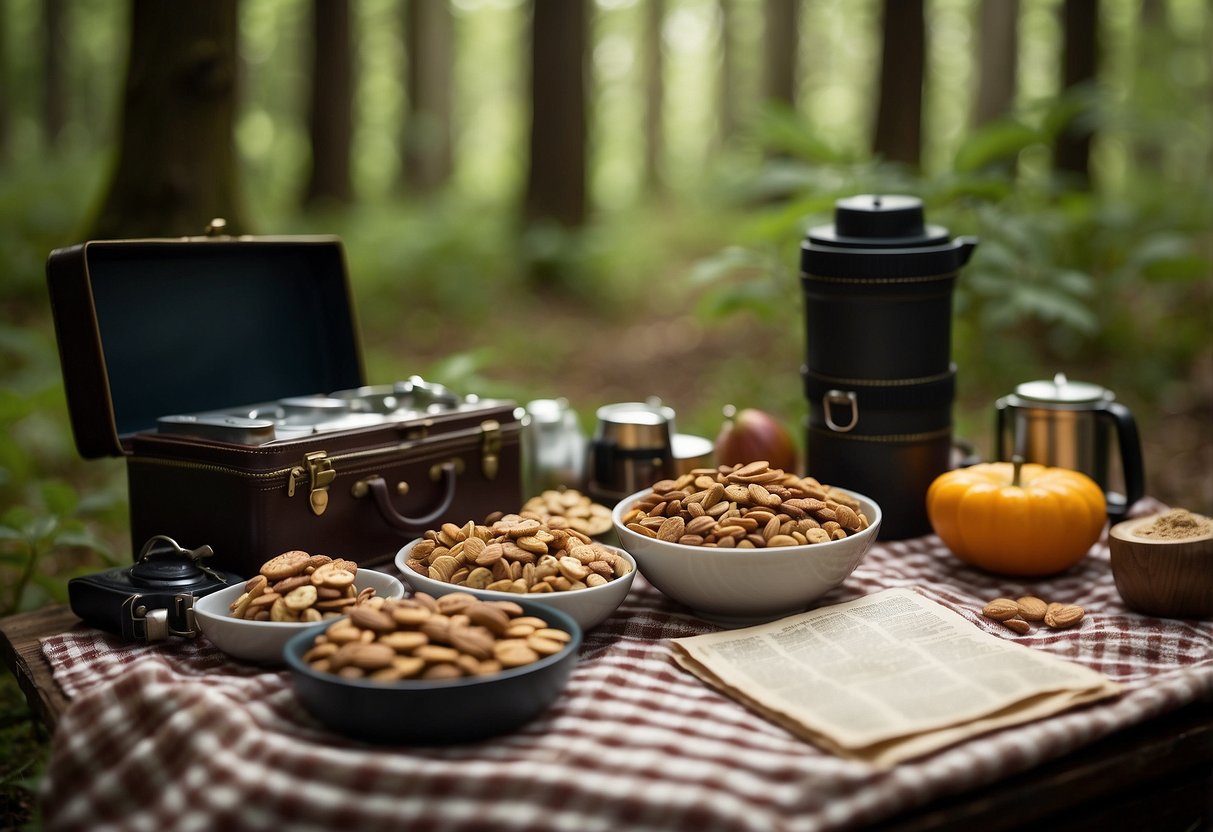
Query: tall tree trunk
x=330, y=115
x=556, y=179
x=727, y=105
x=1080, y=62
x=54, y=80
x=654, y=89
x=1153, y=36
x=429, y=48
x=781, y=44
x=6, y=98
x=898, y=134
x=176, y=162
x=998, y=60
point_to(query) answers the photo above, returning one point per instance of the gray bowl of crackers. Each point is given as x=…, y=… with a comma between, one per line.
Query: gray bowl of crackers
x=434, y=671
x=252, y=621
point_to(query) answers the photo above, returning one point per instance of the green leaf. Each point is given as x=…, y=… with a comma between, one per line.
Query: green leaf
x=79, y=538
x=60, y=498
x=751, y=296
x=724, y=264
x=1000, y=141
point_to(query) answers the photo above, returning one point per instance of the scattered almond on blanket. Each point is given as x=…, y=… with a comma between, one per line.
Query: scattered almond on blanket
x=1019, y=614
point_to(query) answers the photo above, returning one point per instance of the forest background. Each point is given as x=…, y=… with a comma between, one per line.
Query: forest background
x=603, y=200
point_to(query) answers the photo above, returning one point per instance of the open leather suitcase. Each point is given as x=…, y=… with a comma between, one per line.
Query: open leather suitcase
x=227, y=371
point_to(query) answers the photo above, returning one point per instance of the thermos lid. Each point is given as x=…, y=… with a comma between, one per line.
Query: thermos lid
x=882, y=235
x=876, y=221
x=1060, y=390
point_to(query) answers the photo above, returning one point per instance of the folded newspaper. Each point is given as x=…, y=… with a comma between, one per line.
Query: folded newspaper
x=887, y=677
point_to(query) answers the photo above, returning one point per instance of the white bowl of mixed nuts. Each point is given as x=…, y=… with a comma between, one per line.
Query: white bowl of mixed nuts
x=746, y=543
x=516, y=558
x=232, y=618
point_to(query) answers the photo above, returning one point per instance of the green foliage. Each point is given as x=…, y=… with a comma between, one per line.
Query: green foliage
x=49, y=526
x=1060, y=279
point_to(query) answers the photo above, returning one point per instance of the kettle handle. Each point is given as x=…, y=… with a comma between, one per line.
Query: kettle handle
x=1130, y=456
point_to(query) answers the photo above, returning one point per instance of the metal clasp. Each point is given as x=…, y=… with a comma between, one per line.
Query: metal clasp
x=840, y=397
x=490, y=448
x=317, y=469
x=152, y=625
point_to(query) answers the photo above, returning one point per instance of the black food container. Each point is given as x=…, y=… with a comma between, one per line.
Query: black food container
x=878, y=376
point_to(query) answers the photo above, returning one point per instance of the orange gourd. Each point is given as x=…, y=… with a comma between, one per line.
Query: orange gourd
x=1017, y=519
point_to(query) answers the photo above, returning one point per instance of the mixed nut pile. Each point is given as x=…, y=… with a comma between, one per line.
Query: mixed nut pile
x=296, y=586
x=515, y=554
x=568, y=509
x=423, y=637
x=748, y=506
x=1019, y=614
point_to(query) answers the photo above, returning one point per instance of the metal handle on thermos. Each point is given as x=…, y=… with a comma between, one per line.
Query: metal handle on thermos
x=1129, y=444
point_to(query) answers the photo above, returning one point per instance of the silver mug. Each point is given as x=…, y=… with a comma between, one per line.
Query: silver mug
x=632, y=448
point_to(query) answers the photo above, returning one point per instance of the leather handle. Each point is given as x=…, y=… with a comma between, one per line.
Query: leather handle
x=377, y=488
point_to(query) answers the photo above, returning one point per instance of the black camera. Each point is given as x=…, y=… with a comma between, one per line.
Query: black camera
x=151, y=599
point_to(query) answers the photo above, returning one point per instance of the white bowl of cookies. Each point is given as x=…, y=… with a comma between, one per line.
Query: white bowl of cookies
x=252, y=621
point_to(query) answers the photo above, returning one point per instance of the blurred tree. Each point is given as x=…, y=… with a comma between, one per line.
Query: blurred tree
x=54, y=63
x=1079, y=61
x=654, y=86
x=781, y=43
x=898, y=134
x=6, y=101
x=176, y=166
x=997, y=60
x=429, y=51
x=1153, y=32
x=727, y=86
x=330, y=115
x=556, y=178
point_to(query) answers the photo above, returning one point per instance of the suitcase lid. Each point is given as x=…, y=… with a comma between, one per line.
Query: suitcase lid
x=156, y=327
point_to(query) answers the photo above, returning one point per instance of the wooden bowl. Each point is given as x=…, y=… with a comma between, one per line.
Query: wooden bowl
x=1166, y=578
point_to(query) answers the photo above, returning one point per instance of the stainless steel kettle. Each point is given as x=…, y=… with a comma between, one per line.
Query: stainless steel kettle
x=1069, y=424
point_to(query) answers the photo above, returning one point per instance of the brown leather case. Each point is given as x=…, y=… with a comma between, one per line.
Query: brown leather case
x=150, y=328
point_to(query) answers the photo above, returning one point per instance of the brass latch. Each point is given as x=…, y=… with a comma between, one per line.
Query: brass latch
x=490, y=448
x=317, y=469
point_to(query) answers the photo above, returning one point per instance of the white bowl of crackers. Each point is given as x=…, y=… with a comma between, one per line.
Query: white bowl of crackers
x=517, y=557
x=253, y=621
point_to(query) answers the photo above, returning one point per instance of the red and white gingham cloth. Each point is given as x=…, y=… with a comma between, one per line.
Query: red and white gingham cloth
x=178, y=737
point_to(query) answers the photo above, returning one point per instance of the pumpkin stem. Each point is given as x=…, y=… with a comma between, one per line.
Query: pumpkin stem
x=1017, y=463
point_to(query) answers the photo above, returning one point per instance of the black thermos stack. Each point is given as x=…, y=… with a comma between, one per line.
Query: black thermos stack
x=879, y=376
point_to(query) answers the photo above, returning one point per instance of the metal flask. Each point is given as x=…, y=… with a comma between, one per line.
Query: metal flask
x=1072, y=424
x=878, y=371
x=553, y=447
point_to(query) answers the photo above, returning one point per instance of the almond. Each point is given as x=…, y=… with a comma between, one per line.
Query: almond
x=1064, y=616
x=1018, y=625
x=1001, y=609
x=1031, y=608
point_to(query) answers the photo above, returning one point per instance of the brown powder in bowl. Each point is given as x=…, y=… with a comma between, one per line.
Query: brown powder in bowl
x=1176, y=524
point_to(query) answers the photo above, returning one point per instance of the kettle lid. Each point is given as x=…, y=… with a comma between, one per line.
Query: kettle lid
x=1060, y=390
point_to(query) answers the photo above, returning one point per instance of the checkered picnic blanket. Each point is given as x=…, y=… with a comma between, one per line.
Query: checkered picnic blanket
x=176, y=736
